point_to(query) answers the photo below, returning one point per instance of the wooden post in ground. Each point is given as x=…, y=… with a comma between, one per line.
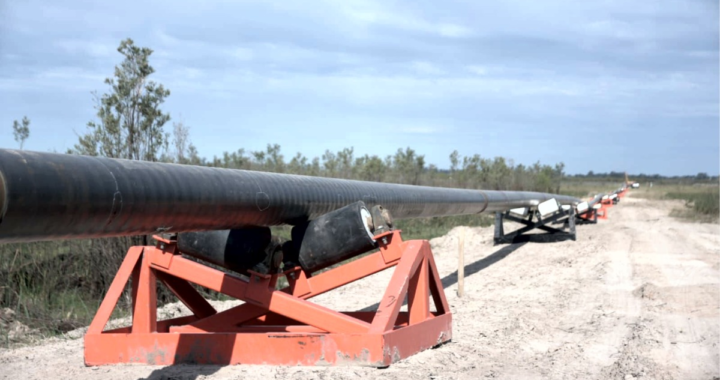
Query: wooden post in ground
x=461, y=263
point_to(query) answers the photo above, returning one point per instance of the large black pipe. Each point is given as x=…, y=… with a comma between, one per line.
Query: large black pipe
x=46, y=196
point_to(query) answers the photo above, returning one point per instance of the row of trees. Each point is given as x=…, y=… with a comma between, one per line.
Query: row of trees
x=405, y=166
x=700, y=177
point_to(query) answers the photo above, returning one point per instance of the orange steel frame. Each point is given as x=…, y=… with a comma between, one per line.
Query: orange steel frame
x=273, y=326
x=590, y=215
x=607, y=204
x=602, y=212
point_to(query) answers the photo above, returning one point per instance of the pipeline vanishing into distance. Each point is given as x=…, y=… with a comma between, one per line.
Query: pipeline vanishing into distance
x=46, y=196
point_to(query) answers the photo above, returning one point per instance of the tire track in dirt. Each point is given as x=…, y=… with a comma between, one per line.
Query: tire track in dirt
x=678, y=297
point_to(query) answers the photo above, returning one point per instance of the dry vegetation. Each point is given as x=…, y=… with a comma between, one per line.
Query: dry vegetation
x=700, y=202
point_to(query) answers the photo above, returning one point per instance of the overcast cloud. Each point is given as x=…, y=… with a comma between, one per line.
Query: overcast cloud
x=602, y=85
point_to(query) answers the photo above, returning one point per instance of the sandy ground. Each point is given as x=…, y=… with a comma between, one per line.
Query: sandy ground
x=635, y=296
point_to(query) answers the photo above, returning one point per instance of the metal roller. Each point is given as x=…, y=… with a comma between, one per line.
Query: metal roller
x=336, y=236
x=45, y=196
x=238, y=249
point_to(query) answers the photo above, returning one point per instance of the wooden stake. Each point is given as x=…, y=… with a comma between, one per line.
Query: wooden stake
x=461, y=263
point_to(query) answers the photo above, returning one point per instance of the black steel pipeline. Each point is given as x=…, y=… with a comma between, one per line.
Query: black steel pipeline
x=45, y=196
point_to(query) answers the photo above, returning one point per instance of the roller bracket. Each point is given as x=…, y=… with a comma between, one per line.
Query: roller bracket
x=381, y=220
x=590, y=216
x=560, y=215
x=274, y=326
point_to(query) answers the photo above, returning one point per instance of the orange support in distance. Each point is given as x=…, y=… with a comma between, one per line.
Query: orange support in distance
x=589, y=216
x=602, y=212
x=273, y=326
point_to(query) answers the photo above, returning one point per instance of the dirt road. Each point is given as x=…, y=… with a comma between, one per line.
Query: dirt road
x=637, y=296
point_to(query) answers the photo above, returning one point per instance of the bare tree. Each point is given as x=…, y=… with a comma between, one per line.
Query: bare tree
x=181, y=135
x=21, y=130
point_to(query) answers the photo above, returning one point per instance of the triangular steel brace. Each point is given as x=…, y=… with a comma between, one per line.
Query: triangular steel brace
x=564, y=217
x=273, y=326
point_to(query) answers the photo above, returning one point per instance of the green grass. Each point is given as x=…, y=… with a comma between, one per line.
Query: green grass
x=705, y=203
x=587, y=189
x=699, y=206
x=428, y=228
x=55, y=287
x=702, y=202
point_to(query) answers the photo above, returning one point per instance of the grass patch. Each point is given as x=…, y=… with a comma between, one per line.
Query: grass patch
x=428, y=228
x=701, y=202
x=588, y=189
x=699, y=206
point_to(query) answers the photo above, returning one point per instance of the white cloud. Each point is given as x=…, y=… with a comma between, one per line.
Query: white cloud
x=453, y=30
x=71, y=79
x=189, y=73
x=468, y=63
x=242, y=54
x=477, y=70
x=384, y=14
x=426, y=69
x=421, y=129
x=89, y=48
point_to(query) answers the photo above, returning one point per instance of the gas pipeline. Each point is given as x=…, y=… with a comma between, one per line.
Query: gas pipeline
x=220, y=215
x=223, y=217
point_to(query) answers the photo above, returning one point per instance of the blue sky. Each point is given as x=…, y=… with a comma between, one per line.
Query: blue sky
x=601, y=85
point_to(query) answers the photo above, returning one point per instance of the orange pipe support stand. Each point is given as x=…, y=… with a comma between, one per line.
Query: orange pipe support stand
x=602, y=212
x=280, y=327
